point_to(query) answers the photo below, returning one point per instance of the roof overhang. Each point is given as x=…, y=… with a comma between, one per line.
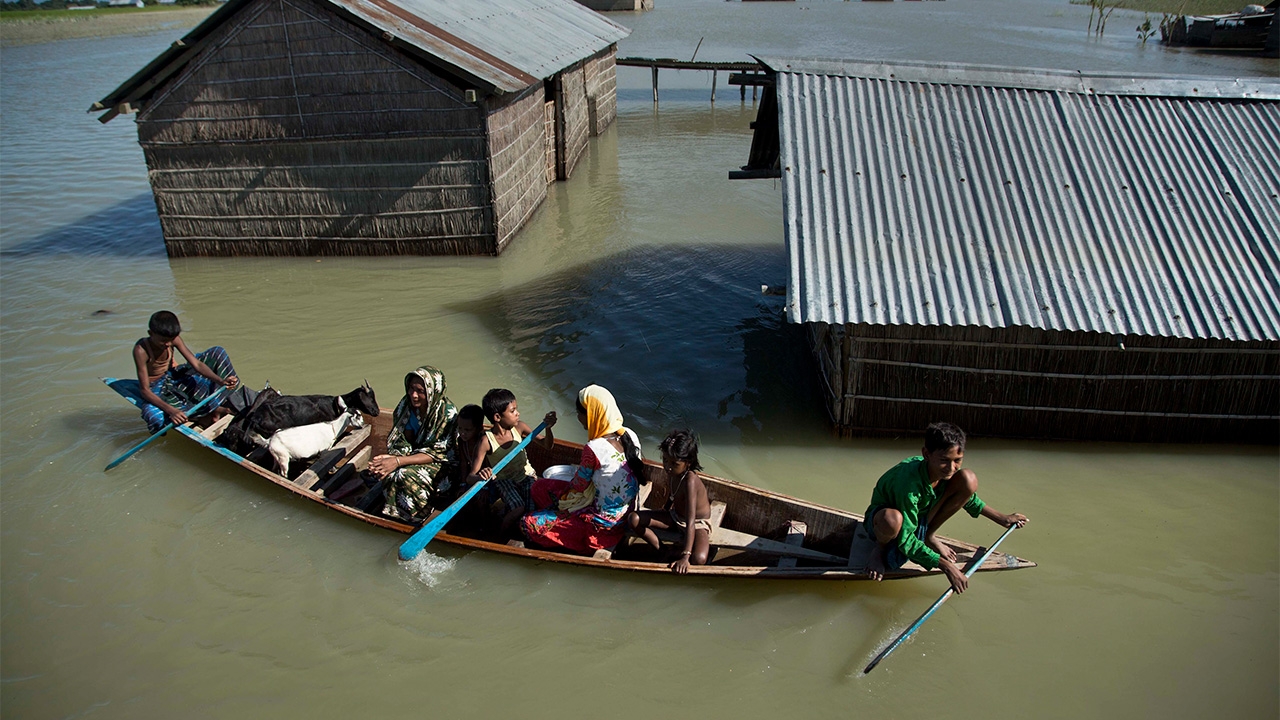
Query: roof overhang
x=445, y=53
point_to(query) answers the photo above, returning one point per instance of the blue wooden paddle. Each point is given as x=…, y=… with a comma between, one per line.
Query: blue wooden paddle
x=168, y=426
x=920, y=621
x=410, y=548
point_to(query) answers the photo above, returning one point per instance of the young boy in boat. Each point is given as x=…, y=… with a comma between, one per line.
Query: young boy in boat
x=687, y=499
x=916, y=496
x=164, y=384
x=512, y=485
x=467, y=444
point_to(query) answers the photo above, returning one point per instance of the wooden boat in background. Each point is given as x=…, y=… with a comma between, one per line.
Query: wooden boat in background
x=1253, y=28
x=757, y=533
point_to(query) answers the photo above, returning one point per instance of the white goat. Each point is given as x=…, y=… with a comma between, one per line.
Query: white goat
x=307, y=440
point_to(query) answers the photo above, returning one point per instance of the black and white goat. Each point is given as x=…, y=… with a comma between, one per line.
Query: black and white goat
x=289, y=411
x=305, y=441
x=277, y=412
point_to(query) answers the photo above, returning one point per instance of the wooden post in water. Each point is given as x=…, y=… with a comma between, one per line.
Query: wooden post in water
x=742, y=92
x=655, y=84
x=713, y=86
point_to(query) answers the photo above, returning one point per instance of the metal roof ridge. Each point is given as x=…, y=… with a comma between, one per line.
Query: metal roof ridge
x=417, y=21
x=1047, y=79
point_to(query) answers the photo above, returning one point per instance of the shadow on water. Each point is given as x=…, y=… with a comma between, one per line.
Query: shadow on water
x=127, y=229
x=681, y=335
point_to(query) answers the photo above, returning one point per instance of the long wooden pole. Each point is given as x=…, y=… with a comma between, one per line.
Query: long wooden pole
x=168, y=426
x=417, y=541
x=937, y=604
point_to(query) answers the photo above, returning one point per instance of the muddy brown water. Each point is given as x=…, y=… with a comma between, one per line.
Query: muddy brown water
x=176, y=586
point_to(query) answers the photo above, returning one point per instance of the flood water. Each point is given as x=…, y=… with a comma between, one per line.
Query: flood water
x=176, y=586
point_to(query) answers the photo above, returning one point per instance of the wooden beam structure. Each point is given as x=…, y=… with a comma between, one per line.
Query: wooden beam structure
x=740, y=73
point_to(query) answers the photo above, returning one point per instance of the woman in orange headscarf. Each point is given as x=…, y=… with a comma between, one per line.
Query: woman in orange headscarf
x=585, y=513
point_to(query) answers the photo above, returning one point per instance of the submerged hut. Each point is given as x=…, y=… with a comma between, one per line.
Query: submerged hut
x=1253, y=27
x=1031, y=253
x=368, y=127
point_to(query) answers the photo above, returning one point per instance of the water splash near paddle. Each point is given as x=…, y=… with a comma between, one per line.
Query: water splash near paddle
x=428, y=569
x=974, y=564
x=894, y=630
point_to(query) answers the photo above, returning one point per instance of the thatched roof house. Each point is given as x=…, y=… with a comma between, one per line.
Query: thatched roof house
x=1032, y=253
x=353, y=127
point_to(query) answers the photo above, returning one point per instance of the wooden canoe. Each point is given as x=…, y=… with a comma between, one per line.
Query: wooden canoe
x=757, y=534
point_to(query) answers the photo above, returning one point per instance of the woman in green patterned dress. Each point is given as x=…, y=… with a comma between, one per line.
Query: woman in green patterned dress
x=419, y=445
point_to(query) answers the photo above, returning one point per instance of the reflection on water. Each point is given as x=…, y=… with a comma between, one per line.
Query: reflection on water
x=681, y=335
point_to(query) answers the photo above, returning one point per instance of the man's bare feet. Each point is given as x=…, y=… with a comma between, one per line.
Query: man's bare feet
x=875, y=564
x=940, y=547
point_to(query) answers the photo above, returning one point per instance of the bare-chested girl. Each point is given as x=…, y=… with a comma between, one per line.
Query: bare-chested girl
x=688, y=500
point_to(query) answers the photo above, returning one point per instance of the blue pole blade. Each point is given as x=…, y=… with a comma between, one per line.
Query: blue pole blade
x=168, y=426
x=410, y=548
x=937, y=604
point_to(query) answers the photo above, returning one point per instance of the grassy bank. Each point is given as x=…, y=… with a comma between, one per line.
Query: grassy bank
x=1178, y=7
x=29, y=27
x=57, y=15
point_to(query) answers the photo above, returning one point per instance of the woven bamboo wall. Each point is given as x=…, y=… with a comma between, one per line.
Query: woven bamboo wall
x=296, y=133
x=601, y=77
x=1021, y=382
x=572, y=128
x=549, y=117
x=517, y=161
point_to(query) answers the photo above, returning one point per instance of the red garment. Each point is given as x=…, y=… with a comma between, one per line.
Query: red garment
x=587, y=530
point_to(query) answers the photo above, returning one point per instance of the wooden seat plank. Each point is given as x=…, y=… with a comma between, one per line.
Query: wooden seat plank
x=796, y=531
x=336, y=479
x=361, y=459
x=341, y=449
x=214, y=430
x=744, y=541
x=353, y=439
x=320, y=468
x=344, y=481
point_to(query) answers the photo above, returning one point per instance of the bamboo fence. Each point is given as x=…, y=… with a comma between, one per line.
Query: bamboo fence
x=572, y=127
x=1025, y=382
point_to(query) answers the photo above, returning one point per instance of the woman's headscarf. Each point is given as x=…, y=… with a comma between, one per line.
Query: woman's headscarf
x=603, y=416
x=603, y=419
x=435, y=420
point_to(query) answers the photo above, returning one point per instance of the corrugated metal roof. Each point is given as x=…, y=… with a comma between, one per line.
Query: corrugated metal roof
x=511, y=44
x=976, y=196
x=504, y=45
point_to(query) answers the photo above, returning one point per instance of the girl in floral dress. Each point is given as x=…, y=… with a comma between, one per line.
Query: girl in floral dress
x=586, y=513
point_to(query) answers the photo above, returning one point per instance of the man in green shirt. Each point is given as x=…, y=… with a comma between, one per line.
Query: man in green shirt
x=916, y=496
